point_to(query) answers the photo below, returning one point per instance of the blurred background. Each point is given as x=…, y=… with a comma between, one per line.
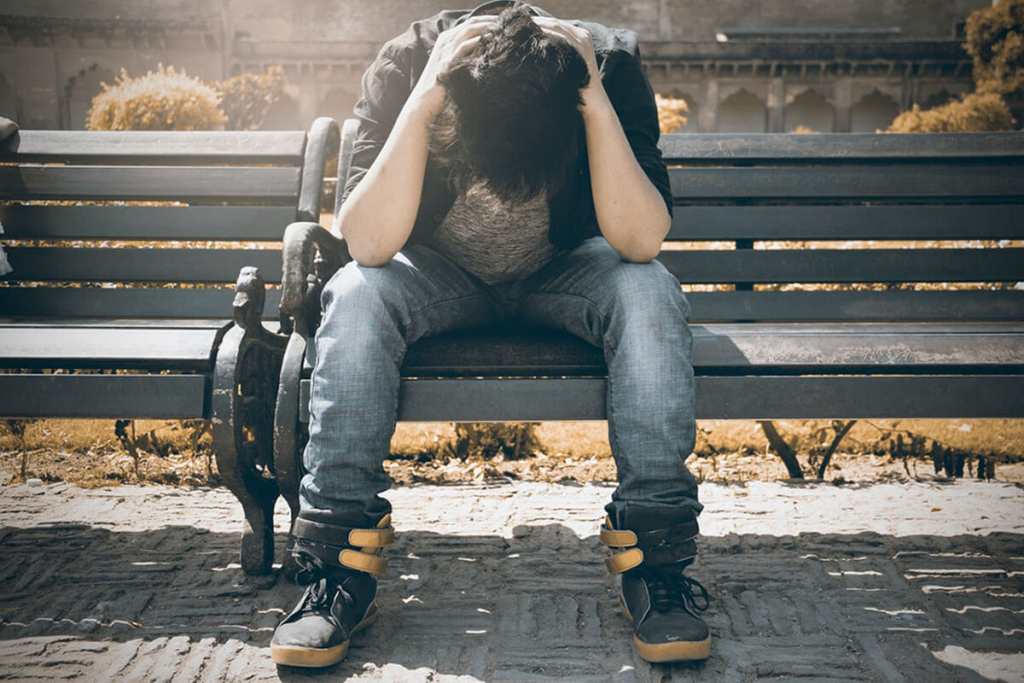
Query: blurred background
x=736, y=65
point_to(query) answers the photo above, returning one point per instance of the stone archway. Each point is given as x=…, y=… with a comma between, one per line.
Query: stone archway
x=78, y=94
x=742, y=112
x=874, y=111
x=809, y=111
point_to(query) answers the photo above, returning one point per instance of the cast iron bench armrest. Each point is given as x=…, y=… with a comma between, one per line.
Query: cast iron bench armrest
x=311, y=254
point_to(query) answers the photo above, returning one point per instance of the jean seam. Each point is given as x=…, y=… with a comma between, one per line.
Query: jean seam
x=435, y=304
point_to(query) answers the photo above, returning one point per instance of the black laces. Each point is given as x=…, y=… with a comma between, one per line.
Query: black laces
x=670, y=588
x=321, y=591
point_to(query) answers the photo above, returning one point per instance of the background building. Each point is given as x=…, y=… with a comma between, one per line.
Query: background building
x=742, y=65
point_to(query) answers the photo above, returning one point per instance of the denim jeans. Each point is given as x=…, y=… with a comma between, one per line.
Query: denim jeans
x=635, y=312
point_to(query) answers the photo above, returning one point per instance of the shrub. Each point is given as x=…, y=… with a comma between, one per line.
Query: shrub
x=247, y=98
x=164, y=99
x=670, y=113
x=995, y=41
x=976, y=112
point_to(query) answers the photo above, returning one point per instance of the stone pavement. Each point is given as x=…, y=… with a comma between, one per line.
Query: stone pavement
x=885, y=582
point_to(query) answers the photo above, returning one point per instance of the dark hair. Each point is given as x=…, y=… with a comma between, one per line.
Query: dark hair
x=512, y=117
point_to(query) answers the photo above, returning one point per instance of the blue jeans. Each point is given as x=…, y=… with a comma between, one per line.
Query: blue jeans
x=635, y=312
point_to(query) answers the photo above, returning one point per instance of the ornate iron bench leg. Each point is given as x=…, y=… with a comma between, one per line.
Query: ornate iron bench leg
x=290, y=434
x=244, y=394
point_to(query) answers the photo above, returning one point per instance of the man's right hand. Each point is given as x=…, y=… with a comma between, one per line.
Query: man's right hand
x=452, y=45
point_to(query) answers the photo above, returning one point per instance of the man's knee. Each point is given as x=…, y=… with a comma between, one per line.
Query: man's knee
x=647, y=289
x=357, y=287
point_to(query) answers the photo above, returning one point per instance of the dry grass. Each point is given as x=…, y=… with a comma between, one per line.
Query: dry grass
x=87, y=453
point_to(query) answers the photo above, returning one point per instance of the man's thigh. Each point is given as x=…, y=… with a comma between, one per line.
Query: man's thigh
x=420, y=290
x=580, y=290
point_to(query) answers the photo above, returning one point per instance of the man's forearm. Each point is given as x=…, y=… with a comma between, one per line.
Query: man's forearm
x=377, y=218
x=630, y=211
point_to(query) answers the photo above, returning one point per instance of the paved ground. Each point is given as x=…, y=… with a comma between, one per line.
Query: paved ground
x=887, y=582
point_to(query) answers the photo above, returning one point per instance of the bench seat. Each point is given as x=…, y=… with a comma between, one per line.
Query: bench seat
x=753, y=371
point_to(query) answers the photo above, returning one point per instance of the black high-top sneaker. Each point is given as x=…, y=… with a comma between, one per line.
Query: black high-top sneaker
x=663, y=603
x=340, y=564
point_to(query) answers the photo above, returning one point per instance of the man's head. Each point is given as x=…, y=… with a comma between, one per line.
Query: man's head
x=512, y=114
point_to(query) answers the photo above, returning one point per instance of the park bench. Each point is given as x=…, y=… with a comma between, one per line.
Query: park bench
x=790, y=331
x=113, y=310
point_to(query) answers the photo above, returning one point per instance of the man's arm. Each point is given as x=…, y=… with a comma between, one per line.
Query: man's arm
x=378, y=216
x=631, y=213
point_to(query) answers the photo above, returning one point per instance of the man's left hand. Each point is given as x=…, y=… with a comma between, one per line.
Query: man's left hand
x=579, y=38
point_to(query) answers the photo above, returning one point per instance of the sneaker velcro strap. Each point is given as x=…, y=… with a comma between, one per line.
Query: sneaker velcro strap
x=371, y=538
x=623, y=562
x=341, y=536
x=660, y=556
x=680, y=533
x=617, y=539
x=362, y=562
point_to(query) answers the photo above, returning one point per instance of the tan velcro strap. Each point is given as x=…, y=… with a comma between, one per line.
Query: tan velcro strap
x=371, y=538
x=362, y=562
x=617, y=539
x=623, y=562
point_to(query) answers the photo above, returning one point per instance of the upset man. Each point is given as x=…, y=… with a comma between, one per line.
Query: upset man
x=505, y=168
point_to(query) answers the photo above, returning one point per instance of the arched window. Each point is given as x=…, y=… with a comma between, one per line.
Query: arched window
x=874, y=111
x=79, y=92
x=809, y=111
x=742, y=112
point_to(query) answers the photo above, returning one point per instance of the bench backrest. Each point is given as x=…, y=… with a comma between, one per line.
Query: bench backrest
x=820, y=227
x=150, y=224
x=771, y=227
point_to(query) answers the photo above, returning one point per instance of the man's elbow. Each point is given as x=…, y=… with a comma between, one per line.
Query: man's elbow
x=646, y=247
x=367, y=253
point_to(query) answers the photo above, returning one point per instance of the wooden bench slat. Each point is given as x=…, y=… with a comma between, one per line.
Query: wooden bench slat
x=875, y=222
x=82, y=264
x=846, y=265
x=124, y=302
x=724, y=148
x=165, y=397
x=171, y=183
x=51, y=346
x=846, y=182
x=189, y=147
x=857, y=306
x=146, y=222
x=739, y=398
x=744, y=348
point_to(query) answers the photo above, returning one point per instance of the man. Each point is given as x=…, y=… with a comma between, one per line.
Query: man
x=505, y=168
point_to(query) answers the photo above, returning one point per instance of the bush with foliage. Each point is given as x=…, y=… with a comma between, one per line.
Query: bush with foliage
x=977, y=112
x=247, y=98
x=164, y=99
x=671, y=112
x=995, y=41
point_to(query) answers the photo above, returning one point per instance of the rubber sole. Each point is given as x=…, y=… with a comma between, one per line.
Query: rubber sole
x=313, y=657
x=686, y=651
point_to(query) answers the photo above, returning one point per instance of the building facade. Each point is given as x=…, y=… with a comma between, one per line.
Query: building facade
x=741, y=65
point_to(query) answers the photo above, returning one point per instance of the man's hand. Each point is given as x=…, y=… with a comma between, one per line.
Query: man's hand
x=580, y=39
x=452, y=45
x=630, y=211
